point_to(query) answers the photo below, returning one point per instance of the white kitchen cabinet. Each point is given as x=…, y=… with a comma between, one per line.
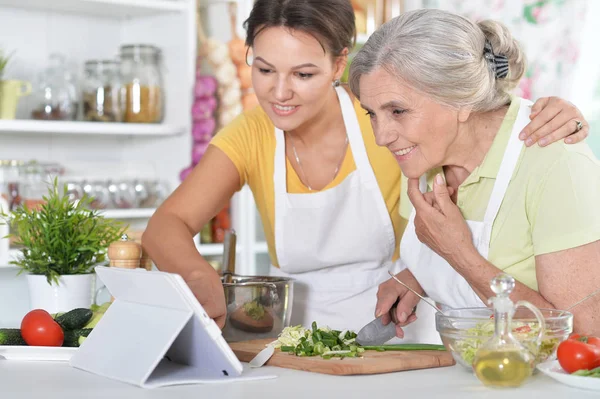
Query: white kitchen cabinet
x=95, y=29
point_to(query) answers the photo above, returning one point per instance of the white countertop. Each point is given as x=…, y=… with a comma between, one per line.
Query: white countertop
x=32, y=380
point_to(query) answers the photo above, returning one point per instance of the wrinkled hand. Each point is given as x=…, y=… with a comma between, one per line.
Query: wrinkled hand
x=208, y=289
x=387, y=295
x=438, y=222
x=552, y=119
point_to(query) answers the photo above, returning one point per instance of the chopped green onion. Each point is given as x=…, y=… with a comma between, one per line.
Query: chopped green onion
x=406, y=347
x=329, y=343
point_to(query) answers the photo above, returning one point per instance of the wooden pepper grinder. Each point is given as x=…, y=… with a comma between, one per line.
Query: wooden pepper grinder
x=125, y=253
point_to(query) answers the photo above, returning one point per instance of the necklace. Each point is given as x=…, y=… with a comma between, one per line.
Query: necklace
x=335, y=172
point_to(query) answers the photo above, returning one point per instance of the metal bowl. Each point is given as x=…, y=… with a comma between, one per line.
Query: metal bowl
x=257, y=306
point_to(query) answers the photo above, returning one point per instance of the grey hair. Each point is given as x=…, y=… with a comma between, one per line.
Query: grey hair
x=441, y=55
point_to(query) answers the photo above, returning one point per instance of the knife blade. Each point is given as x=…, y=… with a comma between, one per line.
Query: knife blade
x=375, y=333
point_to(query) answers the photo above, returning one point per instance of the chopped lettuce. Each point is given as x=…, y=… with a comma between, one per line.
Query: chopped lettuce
x=290, y=336
x=323, y=342
x=526, y=333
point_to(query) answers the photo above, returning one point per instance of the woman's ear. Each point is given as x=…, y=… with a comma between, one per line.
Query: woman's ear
x=463, y=114
x=340, y=63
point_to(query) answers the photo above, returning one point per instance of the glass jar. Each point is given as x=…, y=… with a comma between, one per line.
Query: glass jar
x=55, y=92
x=143, y=83
x=101, y=91
x=10, y=171
x=34, y=185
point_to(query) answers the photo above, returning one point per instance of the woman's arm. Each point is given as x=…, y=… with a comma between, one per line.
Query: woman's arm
x=552, y=119
x=168, y=239
x=566, y=277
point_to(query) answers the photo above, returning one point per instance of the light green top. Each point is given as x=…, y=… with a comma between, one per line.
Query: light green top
x=552, y=202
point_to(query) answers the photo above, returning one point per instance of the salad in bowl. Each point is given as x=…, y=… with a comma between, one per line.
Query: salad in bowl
x=464, y=331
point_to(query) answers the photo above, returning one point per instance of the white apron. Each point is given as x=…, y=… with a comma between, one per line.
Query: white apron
x=338, y=243
x=439, y=280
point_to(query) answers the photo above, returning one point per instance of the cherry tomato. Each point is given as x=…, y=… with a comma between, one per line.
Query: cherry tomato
x=38, y=328
x=523, y=329
x=579, y=353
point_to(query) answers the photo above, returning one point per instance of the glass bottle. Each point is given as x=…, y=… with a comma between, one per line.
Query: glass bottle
x=101, y=89
x=143, y=83
x=503, y=361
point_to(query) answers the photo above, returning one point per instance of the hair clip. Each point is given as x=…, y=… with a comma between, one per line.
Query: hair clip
x=499, y=62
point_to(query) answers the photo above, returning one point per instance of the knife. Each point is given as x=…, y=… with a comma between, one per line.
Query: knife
x=375, y=333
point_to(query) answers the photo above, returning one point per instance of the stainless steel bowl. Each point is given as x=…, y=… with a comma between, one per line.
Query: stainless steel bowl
x=257, y=307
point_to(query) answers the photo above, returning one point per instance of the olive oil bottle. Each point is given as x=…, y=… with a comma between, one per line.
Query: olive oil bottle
x=503, y=361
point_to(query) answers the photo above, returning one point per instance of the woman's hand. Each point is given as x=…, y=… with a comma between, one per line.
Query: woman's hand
x=439, y=223
x=208, y=289
x=552, y=119
x=387, y=295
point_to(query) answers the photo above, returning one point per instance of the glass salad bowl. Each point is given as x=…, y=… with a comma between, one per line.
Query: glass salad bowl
x=464, y=330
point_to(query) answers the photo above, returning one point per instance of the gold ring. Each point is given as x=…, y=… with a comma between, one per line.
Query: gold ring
x=578, y=125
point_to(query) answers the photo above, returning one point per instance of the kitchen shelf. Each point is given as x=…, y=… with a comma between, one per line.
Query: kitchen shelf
x=142, y=213
x=204, y=249
x=88, y=128
x=217, y=249
x=103, y=8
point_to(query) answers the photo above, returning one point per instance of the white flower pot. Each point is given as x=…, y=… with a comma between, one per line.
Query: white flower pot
x=72, y=291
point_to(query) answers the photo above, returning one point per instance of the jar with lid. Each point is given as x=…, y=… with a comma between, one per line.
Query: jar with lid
x=55, y=92
x=10, y=171
x=143, y=82
x=34, y=184
x=101, y=91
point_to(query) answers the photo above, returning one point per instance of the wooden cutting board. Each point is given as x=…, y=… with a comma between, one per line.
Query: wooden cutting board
x=371, y=362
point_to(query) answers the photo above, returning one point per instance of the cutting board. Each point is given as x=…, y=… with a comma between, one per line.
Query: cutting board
x=371, y=362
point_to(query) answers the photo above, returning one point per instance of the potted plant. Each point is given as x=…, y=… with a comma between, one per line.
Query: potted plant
x=61, y=241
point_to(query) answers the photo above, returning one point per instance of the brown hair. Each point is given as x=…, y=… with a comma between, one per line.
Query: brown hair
x=331, y=22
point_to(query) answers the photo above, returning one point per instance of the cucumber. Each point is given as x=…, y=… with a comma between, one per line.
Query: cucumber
x=74, y=319
x=72, y=337
x=98, y=313
x=11, y=336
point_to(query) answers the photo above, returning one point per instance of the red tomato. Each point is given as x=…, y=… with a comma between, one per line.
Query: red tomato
x=523, y=329
x=579, y=353
x=38, y=328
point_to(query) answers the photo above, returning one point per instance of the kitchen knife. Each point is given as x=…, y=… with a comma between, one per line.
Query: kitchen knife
x=375, y=333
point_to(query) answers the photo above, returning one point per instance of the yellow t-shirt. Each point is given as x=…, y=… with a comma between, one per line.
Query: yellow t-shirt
x=249, y=141
x=552, y=202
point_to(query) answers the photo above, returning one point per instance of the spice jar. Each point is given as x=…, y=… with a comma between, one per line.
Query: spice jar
x=143, y=82
x=55, y=92
x=102, y=91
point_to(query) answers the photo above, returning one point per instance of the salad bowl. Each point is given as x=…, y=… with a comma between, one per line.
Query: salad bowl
x=463, y=331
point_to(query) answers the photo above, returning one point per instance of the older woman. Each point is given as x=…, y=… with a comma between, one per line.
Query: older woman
x=436, y=87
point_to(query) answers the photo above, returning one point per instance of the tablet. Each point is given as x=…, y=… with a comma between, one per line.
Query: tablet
x=155, y=333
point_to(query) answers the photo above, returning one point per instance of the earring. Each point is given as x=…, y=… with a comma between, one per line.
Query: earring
x=336, y=83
